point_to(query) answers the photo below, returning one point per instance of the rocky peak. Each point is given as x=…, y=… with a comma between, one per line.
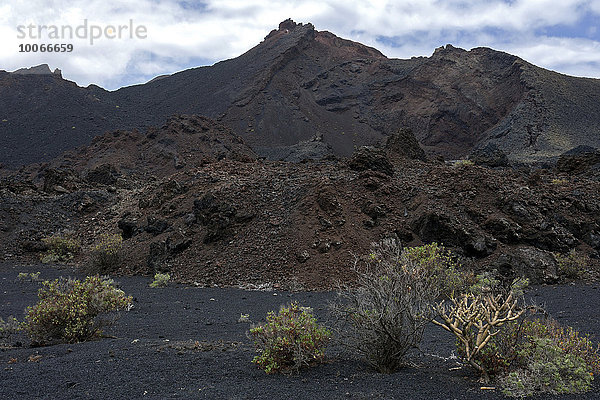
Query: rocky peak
x=42, y=69
x=448, y=50
x=288, y=26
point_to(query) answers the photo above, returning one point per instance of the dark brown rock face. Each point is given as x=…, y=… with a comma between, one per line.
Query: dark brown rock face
x=578, y=159
x=226, y=217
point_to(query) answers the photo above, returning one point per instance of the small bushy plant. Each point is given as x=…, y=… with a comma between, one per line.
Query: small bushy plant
x=385, y=315
x=160, y=280
x=107, y=253
x=510, y=353
x=72, y=311
x=8, y=329
x=31, y=276
x=548, y=369
x=566, y=338
x=463, y=163
x=559, y=181
x=289, y=340
x=439, y=264
x=571, y=265
x=490, y=282
x=61, y=248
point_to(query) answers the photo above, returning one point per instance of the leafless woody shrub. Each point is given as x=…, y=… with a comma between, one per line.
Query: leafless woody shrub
x=385, y=315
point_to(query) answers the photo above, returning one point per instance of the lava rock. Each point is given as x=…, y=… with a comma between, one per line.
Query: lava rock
x=404, y=144
x=157, y=253
x=53, y=178
x=127, y=226
x=217, y=215
x=503, y=229
x=374, y=210
x=434, y=227
x=368, y=157
x=489, y=156
x=328, y=202
x=105, y=174
x=578, y=159
x=539, y=266
x=303, y=256
x=34, y=246
x=156, y=226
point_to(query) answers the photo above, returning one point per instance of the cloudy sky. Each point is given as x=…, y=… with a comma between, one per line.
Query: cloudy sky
x=562, y=35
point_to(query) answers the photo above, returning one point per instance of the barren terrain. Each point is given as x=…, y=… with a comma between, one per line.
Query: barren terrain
x=185, y=342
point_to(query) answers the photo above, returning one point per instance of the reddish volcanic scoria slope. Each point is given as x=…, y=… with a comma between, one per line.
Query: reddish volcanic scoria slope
x=190, y=198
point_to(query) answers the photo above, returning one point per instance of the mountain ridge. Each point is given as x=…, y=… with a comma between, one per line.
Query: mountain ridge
x=299, y=84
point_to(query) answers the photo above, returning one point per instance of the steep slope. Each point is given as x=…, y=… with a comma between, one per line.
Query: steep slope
x=182, y=142
x=42, y=115
x=224, y=217
x=303, y=93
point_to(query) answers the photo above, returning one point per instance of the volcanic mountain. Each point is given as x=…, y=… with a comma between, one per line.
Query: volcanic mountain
x=303, y=93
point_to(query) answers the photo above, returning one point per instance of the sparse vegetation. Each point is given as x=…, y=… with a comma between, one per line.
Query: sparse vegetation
x=572, y=265
x=526, y=354
x=384, y=317
x=160, y=280
x=289, y=340
x=463, y=163
x=106, y=255
x=31, y=276
x=548, y=369
x=559, y=181
x=566, y=338
x=490, y=282
x=244, y=318
x=61, y=248
x=439, y=265
x=71, y=311
x=8, y=329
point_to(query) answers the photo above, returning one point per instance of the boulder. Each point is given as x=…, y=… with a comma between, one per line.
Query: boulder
x=105, y=174
x=539, y=266
x=404, y=144
x=449, y=231
x=577, y=160
x=489, y=156
x=156, y=226
x=371, y=158
x=216, y=215
x=128, y=226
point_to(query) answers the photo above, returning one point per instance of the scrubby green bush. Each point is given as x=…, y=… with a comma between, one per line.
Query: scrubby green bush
x=31, y=276
x=571, y=265
x=289, y=340
x=107, y=253
x=385, y=315
x=490, y=282
x=439, y=265
x=566, y=338
x=160, y=280
x=61, y=248
x=72, y=311
x=548, y=369
x=8, y=329
x=512, y=356
x=463, y=163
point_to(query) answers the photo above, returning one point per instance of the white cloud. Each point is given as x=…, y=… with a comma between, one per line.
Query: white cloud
x=179, y=34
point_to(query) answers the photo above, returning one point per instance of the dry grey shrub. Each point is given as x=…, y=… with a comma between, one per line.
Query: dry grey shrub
x=385, y=315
